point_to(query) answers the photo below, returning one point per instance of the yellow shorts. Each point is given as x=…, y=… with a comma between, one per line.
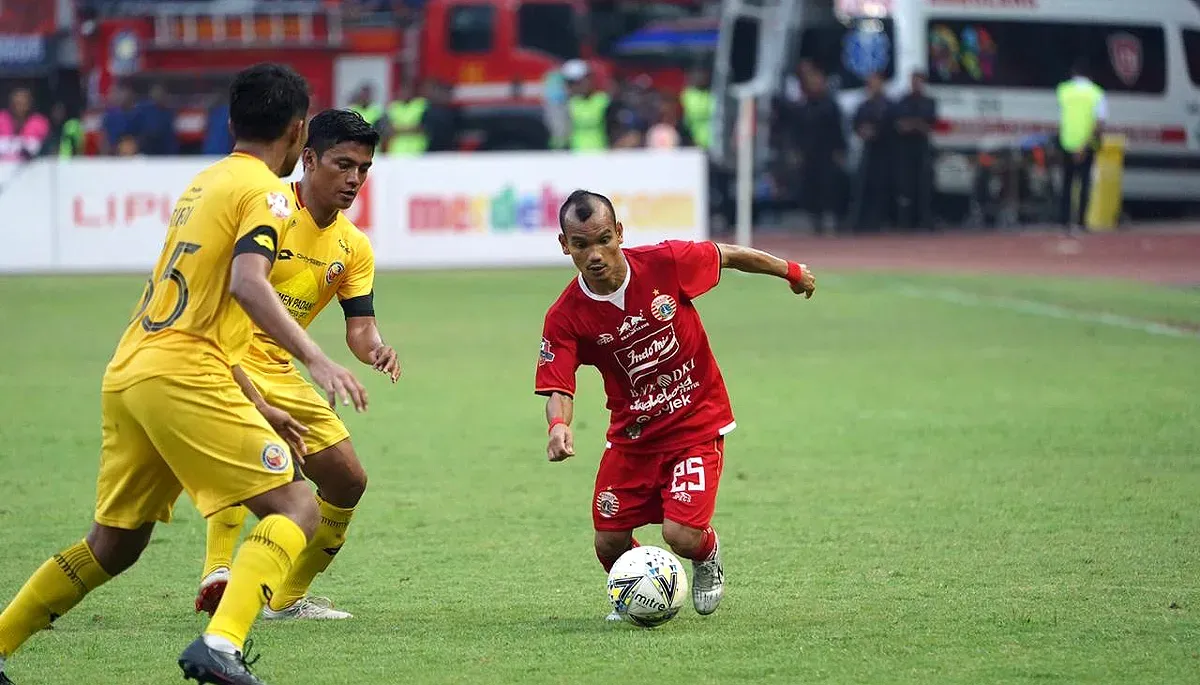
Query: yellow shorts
x=173, y=433
x=283, y=387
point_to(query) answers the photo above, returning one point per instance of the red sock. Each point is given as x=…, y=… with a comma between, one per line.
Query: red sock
x=708, y=545
x=608, y=563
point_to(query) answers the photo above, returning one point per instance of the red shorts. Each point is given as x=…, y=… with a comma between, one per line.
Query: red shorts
x=634, y=490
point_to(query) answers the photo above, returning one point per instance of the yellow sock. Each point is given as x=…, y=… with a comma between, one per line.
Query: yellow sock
x=316, y=557
x=262, y=563
x=53, y=590
x=224, y=528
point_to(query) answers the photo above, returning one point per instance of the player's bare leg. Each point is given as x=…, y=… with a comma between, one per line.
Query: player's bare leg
x=341, y=482
x=610, y=545
x=64, y=580
x=703, y=548
x=287, y=518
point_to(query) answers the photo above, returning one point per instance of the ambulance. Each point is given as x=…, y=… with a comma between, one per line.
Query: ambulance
x=993, y=67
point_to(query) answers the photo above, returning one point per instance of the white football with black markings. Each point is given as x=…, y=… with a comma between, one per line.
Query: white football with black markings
x=647, y=586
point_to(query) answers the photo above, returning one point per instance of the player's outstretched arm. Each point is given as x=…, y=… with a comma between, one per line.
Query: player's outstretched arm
x=754, y=261
x=250, y=286
x=364, y=340
x=560, y=410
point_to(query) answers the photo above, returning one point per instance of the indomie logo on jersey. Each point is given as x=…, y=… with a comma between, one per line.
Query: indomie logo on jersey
x=642, y=358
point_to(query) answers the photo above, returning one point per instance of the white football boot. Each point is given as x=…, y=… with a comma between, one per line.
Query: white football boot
x=708, y=583
x=306, y=608
x=212, y=588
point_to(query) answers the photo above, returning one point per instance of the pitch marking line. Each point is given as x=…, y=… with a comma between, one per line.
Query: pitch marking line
x=1050, y=311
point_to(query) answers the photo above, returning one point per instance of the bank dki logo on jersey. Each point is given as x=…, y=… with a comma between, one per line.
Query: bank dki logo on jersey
x=1125, y=53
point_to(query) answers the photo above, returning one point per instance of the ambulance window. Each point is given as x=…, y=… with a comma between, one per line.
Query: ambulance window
x=849, y=52
x=548, y=27
x=1191, y=49
x=1039, y=55
x=471, y=28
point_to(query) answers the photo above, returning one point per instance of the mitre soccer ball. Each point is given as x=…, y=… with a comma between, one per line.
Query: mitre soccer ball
x=647, y=586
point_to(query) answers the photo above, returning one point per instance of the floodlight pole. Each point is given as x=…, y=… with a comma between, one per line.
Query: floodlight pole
x=745, y=168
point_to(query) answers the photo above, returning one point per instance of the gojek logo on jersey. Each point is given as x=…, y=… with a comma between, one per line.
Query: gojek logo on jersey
x=513, y=210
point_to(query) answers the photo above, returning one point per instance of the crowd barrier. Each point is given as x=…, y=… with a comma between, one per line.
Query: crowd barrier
x=454, y=210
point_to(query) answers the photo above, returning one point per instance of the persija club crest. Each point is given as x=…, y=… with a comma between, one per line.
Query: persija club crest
x=1125, y=53
x=663, y=308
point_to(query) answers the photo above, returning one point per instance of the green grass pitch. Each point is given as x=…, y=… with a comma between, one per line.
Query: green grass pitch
x=920, y=491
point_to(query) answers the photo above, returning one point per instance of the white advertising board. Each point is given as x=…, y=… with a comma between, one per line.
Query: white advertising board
x=502, y=209
x=112, y=214
x=27, y=203
x=447, y=210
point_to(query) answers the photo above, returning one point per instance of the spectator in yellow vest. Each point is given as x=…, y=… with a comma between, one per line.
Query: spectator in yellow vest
x=588, y=108
x=405, y=125
x=1082, y=111
x=697, y=103
x=364, y=103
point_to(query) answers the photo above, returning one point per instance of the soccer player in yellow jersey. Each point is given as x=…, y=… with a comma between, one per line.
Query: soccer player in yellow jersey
x=321, y=256
x=172, y=416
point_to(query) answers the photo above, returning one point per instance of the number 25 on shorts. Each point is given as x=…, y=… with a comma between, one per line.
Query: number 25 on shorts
x=688, y=475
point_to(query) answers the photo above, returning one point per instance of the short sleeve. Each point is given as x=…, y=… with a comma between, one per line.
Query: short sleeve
x=360, y=279
x=698, y=266
x=558, y=359
x=265, y=206
x=260, y=220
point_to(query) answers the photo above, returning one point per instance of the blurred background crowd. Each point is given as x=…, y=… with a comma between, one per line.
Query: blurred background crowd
x=130, y=77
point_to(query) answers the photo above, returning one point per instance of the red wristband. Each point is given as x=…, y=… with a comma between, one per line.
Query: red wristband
x=554, y=422
x=795, y=272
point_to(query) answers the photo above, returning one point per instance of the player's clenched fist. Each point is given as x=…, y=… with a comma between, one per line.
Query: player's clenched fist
x=802, y=280
x=338, y=383
x=562, y=443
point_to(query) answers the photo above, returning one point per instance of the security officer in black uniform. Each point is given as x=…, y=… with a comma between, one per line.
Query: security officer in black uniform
x=916, y=114
x=873, y=183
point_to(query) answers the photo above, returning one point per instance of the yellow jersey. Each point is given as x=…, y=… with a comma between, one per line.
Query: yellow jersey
x=314, y=265
x=186, y=321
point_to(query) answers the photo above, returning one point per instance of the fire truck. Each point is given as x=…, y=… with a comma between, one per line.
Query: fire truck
x=495, y=54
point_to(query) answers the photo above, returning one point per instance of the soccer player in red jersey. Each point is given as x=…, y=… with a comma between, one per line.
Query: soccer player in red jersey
x=630, y=314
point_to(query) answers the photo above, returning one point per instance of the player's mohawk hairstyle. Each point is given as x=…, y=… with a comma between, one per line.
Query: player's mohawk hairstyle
x=581, y=205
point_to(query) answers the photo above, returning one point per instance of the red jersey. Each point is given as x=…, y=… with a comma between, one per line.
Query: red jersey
x=646, y=339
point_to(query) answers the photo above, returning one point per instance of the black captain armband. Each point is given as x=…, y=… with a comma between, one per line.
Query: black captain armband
x=363, y=305
x=263, y=240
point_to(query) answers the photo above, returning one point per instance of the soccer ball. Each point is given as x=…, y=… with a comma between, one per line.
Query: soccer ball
x=647, y=586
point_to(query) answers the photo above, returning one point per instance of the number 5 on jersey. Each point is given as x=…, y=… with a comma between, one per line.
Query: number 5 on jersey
x=171, y=273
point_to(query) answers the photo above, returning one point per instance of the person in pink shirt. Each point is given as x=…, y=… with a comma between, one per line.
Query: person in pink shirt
x=22, y=131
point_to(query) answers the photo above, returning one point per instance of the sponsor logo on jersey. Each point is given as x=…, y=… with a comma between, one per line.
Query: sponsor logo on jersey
x=545, y=356
x=632, y=324
x=336, y=269
x=641, y=358
x=663, y=308
x=604, y=339
x=275, y=458
x=607, y=504
x=280, y=206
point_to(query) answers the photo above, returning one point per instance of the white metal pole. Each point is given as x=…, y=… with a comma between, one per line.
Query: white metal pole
x=745, y=168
